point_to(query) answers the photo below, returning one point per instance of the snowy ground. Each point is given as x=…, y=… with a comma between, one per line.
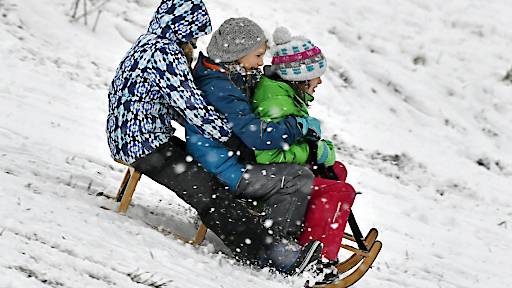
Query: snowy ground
x=417, y=100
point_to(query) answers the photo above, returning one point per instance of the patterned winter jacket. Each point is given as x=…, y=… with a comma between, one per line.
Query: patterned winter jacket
x=227, y=95
x=153, y=85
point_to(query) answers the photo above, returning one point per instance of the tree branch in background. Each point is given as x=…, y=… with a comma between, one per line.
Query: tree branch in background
x=85, y=12
x=96, y=21
x=75, y=8
x=91, y=10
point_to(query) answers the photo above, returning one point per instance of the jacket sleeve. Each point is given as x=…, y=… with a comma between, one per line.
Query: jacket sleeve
x=254, y=132
x=178, y=88
x=273, y=104
x=296, y=153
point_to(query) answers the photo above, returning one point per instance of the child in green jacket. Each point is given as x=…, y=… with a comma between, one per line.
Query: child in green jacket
x=295, y=73
x=297, y=66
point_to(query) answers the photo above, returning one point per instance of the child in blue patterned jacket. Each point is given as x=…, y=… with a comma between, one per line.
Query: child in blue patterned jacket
x=152, y=86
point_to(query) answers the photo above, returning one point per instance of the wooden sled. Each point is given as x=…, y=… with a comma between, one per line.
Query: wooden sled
x=359, y=262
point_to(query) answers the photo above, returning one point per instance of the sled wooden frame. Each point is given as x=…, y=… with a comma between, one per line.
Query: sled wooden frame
x=125, y=194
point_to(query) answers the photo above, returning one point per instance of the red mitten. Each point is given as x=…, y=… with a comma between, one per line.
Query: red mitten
x=340, y=170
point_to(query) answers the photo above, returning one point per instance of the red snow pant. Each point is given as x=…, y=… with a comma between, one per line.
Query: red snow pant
x=327, y=212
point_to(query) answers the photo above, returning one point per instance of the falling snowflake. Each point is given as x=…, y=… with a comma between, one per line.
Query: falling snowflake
x=180, y=168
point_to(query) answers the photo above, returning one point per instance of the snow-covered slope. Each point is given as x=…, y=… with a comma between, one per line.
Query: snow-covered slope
x=417, y=100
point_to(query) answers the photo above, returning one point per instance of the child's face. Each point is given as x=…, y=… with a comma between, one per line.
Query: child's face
x=254, y=60
x=312, y=84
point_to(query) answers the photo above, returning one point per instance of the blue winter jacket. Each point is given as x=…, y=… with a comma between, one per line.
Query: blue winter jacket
x=153, y=85
x=224, y=94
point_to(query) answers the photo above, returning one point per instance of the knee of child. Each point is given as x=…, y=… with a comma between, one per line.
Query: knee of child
x=306, y=180
x=349, y=189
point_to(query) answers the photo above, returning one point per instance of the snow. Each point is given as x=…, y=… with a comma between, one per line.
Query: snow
x=416, y=100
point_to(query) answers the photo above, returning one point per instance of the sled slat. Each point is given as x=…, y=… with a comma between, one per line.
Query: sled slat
x=353, y=260
x=354, y=250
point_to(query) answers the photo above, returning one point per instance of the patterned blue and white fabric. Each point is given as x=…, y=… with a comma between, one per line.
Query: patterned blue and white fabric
x=153, y=85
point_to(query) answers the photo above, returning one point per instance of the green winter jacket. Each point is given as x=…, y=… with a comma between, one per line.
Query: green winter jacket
x=273, y=101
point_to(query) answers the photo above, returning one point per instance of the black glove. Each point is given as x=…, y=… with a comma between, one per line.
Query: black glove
x=245, y=154
x=312, y=135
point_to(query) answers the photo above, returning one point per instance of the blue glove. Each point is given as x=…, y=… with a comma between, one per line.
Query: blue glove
x=325, y=153
x=310, y=127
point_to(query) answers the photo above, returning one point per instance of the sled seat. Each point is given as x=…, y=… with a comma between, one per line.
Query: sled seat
x=125, y=193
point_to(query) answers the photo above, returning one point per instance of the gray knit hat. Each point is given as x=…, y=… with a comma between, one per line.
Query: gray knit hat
x=234, y=39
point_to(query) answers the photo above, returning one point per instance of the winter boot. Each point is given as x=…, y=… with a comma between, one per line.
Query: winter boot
x=327, y=215
x=290, y=258
x=309, y=254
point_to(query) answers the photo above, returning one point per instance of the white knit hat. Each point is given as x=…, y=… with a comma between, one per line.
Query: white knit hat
x=296, y=58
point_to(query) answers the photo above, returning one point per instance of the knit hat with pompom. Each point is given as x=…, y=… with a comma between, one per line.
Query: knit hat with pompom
x=296, y=58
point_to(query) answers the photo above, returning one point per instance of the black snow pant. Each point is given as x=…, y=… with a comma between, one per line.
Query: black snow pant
x=284, y=190
x=230, y=219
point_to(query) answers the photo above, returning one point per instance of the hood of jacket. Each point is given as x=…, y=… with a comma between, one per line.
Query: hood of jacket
x=181, y=20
